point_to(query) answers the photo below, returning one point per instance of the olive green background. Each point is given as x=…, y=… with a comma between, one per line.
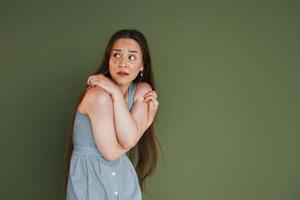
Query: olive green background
x=228, y=85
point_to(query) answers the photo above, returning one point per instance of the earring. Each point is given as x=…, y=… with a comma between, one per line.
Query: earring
x=141, y=74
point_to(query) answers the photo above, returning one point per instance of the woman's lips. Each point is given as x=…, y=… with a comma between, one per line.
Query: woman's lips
x=122, y=73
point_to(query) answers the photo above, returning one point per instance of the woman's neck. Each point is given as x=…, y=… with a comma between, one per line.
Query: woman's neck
x=124, y=90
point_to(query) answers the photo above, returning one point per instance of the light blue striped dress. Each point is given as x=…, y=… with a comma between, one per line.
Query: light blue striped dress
x=91, y=176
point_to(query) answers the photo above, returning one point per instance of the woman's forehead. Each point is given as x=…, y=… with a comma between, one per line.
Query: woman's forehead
x=126, y=44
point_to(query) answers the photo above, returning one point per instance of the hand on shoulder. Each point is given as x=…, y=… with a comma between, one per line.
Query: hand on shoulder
x=142, y=88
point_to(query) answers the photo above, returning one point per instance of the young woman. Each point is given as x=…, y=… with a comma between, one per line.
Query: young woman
x=114, y=115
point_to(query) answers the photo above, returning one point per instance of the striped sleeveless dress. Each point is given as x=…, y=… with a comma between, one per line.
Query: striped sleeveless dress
x=91, y=176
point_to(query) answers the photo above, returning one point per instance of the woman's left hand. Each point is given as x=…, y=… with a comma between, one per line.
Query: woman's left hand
x=151, y=99
x=101, y=80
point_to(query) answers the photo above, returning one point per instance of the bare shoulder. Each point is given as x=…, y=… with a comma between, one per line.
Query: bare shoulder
x=92, y=97
x=141, y=89
x=96, y=93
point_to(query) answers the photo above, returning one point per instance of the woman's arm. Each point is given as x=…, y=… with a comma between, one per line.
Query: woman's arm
x=130, y=126
x=99, y=108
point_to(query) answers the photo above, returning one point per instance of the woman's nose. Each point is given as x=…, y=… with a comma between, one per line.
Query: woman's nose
x=123, y=62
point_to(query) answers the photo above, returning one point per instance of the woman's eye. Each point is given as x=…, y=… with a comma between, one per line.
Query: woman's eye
x=116, y=55
x=131, y=57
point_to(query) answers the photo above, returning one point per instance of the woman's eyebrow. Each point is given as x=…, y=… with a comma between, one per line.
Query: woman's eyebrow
x=133, y=51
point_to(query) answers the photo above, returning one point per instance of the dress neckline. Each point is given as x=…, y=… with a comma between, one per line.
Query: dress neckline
x=129, y=94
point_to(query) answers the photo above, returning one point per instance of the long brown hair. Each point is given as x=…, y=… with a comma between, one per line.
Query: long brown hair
x=144, y=155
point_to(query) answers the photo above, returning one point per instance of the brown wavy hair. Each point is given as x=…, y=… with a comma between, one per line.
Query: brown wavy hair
x=144, y=155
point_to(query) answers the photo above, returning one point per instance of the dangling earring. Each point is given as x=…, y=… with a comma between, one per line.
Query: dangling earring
x=141, y=74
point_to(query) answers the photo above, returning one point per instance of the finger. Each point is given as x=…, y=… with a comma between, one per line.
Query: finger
x=154, y=103
x=153, y=100
x=149, y=98
x=94, y=82
x=94, y=79
x=151, y=94
x=150, y=91
x=91, y=81
x=90, y=78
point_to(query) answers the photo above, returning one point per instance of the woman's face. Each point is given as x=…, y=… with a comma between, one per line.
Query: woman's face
x=126, y=56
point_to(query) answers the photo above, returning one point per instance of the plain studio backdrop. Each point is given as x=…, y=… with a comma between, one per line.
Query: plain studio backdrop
x=228, y=85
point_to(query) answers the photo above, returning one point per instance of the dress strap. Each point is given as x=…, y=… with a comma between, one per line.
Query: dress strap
x=131, y=93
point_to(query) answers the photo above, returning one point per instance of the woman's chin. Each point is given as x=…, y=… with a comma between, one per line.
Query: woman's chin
x=121, y=81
